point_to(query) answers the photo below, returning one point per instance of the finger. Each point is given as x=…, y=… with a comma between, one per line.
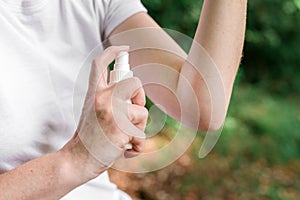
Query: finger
x=138, y=115
x=109, y=54
x=99, y=77
x=102, y=61
x=131, y=88
x=103, y=78
x=138, y=146
x=139, y=97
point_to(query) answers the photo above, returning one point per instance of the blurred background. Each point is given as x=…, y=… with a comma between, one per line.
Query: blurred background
x=258, y=153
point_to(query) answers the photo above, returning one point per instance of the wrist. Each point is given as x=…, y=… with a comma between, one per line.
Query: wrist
x=78, y=166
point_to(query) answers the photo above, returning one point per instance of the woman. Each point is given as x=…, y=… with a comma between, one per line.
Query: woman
x=42, y=45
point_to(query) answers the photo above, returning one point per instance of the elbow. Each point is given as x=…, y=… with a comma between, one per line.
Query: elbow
x=210, y=127
x=212, y=123
x=212, y=117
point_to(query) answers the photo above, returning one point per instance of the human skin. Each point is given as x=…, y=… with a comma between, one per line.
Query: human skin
x=220, y=36
x=220, y=31
x=54, y=175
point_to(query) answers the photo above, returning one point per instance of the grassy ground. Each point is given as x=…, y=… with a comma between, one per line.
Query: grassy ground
x=257, y=156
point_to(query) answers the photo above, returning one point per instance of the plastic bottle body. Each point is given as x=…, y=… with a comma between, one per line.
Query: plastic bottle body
x=120, y=72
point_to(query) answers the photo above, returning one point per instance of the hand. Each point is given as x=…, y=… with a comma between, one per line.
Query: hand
x=108, y=122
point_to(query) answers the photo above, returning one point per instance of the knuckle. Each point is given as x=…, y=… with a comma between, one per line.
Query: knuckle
x=122, y=141
x=141, y=146
x=103, y=110
x=143, y=101
x=137, y=81
x=144, y=112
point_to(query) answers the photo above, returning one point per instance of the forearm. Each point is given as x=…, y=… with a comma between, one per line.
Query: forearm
x=39, y=178
x=221, y=32
x=48, y=177
x=214, y=58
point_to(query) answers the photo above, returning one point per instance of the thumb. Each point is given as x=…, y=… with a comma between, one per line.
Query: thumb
x=98, y=74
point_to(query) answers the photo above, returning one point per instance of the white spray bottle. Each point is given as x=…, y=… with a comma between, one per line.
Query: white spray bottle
x=120, y=72
x=121, y=68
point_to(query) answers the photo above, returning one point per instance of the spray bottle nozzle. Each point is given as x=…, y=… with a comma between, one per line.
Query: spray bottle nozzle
x=121, y=68
x=123, y=58
x=122, y=61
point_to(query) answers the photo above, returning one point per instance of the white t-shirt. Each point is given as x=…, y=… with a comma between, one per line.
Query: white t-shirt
x=43, y=43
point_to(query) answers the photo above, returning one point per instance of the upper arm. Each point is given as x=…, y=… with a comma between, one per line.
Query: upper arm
x=143, y=34
x=156, y=58
x=138, y=20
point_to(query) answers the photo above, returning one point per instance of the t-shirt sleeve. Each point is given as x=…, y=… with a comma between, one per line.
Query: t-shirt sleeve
x=117, y=11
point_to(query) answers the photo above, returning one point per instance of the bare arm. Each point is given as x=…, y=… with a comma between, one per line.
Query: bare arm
x=48, y=177
x=220, y=31
x=97, y=143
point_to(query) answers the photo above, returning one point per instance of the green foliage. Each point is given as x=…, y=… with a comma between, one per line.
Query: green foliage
x=257, y=156
x=261, y=126
x=179, y=15
x=272, y=52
